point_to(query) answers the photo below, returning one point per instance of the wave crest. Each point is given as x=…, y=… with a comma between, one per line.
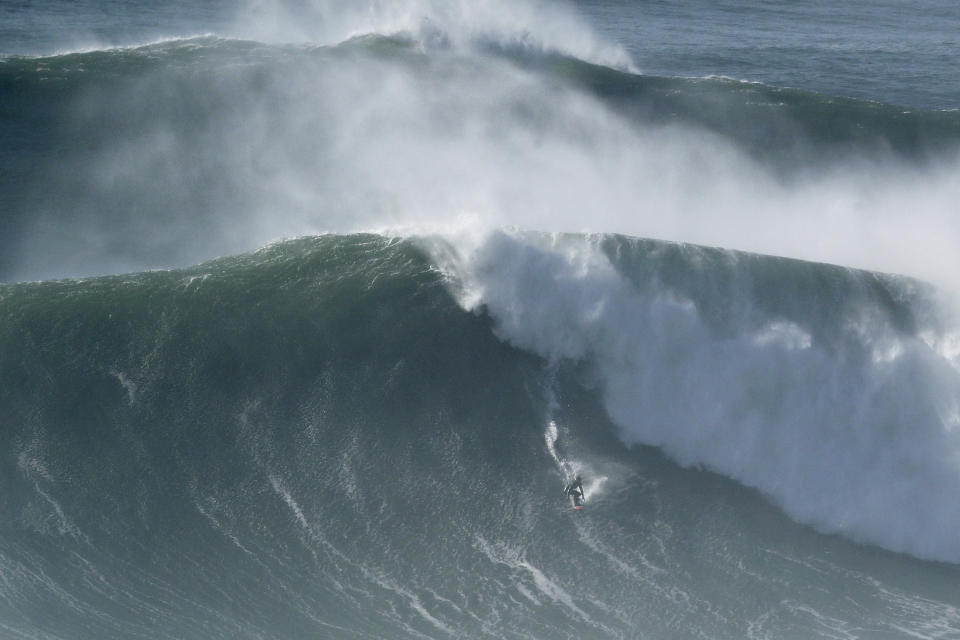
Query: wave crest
x=527, y=25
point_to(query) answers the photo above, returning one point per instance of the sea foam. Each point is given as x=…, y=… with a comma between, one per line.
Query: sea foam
x=552, y=27
x=851, y=423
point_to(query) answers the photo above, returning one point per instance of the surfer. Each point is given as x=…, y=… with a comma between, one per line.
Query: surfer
x=575, y=490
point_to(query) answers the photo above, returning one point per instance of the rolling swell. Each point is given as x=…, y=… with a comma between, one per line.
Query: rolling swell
x=783, y=127
x=170, y=153
x=769, y=120
x=317, y=440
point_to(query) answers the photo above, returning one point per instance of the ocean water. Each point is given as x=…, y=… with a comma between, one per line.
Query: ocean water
x=308, y=311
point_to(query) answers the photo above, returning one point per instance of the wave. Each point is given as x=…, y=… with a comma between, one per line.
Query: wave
x=784, y=120
x=319, y=439
x=832, y=391
x=533, y=26
x=529, y=25
x=168, y=154
x=356, y=435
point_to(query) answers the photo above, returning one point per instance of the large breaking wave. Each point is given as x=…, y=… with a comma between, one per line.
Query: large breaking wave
x=833, y=391
x=318, y=439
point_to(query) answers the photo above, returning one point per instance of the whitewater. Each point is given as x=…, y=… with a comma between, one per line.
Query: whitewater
x=308, y=311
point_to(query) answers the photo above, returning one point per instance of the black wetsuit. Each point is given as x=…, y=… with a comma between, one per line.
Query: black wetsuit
x=575, y=489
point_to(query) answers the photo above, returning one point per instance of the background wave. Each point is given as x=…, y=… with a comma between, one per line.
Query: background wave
x=172, y=153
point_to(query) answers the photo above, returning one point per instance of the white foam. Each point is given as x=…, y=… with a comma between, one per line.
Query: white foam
x=128, y=385
x=33, y=466
x=514, y=559
x=461, y=24
x=282, y=491
x=217, y=525
x=866, y=447
x=409, y=143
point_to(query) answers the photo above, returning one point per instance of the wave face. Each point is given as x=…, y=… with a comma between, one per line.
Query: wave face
x=318, y=439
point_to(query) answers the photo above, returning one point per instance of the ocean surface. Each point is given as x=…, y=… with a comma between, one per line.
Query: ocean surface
x=309, y=310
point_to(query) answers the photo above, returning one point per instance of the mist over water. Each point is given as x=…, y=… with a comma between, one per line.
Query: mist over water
x=445, y=112
x=532, y=25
